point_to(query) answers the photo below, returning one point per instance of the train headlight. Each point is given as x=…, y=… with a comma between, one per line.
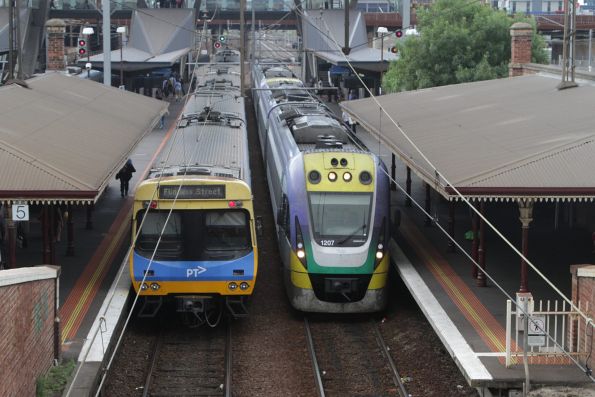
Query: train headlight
x=144, y=286
x=314, y=177
x=380, y=247
x=299, y=244
x=232, y=286
x=244, y=286
x=365, y=177
x=347, y=177
x=155, y=286
x=332, y=176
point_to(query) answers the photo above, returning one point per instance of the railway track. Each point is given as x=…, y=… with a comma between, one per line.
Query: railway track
x=190, y=362
x=351, y=359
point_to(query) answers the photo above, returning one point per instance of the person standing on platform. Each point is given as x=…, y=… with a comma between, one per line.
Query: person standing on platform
x=125, y=175
x=178, y=90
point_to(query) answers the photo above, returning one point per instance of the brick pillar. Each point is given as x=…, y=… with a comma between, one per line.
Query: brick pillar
x=583, y=294
x=55, y=44
x=521, y=33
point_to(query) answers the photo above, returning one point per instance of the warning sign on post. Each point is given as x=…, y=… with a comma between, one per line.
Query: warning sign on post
x=536, y=332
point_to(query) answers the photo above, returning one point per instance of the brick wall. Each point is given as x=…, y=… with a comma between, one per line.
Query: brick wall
x=55, y=44
x=521, y=34
x=583, y=291
x=27, y=315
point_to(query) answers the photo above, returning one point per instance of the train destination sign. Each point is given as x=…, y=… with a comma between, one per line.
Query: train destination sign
x=190, y=192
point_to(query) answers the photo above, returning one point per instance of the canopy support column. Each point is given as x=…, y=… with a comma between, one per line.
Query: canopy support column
x=408, y=188
x=526, y=216
x=481, y=278
x=70, y=232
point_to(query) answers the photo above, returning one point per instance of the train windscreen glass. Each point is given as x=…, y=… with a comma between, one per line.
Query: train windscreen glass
x=340, y=218
x=195, y=234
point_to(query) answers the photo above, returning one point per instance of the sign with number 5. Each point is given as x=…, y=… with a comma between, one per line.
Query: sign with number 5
x=20, y=212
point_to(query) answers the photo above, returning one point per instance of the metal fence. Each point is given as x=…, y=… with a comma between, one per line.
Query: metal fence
x=558, y=333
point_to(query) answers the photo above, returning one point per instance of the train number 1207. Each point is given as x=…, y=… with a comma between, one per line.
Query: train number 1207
x=327, y=243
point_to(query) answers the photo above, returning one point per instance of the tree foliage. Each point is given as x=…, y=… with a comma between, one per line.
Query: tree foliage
x=459, y=41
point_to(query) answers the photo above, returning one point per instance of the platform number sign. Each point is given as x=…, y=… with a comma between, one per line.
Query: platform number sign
x=536, y=333
x=20, y=212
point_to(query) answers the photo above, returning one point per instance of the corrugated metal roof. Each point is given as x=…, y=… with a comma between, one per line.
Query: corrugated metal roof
x=497, y=139
x=63, y=138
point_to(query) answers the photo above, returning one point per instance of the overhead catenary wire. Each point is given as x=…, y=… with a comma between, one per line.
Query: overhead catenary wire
x=439, y=176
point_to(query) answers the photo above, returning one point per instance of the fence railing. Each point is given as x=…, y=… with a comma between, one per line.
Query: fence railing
x=565, y=333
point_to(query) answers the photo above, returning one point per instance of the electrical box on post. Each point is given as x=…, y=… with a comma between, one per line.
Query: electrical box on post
x=524, y=302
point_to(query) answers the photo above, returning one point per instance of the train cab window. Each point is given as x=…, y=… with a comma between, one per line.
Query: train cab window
x=226, y=231
x=340, y=218
x=170, y=246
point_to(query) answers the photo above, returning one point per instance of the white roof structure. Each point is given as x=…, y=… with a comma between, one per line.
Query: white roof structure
x=324, y=34
x=159, y=37
x=506, y=139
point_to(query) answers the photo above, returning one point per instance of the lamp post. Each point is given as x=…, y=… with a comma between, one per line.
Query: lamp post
x=122, y=31
x=88, y=31
x=382, y=31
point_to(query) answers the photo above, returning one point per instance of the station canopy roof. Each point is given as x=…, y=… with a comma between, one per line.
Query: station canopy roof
x=158, y=38
x=508, y=139
x=63, y=138
x=324, y=34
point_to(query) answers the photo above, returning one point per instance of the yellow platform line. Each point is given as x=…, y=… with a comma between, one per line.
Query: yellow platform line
x=96, y=274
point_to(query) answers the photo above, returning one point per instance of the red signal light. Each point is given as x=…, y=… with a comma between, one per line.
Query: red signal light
x=82, y=42
x=82, y=51
x=399, y=33
x=217, y=44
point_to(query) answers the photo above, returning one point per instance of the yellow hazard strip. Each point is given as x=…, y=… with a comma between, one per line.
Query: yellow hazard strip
x=75, y=314
x=447, y=283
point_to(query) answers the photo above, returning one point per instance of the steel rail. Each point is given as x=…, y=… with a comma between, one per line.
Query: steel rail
x=385, y=352
x=228, y=362
x=154, y=359
x=317, y=378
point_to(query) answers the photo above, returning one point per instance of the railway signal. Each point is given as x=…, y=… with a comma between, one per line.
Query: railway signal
x=217, y=44
x=394, y=49
x=399, y=33
x=222, y=39
x=82, y=46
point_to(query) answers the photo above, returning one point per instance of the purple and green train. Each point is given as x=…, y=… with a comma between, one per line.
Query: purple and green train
x=330, y=199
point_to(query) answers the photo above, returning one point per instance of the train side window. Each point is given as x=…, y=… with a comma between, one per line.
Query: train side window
x=283, y=215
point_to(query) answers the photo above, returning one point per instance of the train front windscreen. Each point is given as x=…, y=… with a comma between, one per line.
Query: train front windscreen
x=194, y=235
x=340, y=219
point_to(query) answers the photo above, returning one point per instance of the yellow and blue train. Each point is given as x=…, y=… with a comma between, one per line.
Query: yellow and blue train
x=330, y=198
x=193, y=226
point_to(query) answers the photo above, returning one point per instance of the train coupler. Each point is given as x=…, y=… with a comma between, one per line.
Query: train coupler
x=150, y=307
x=236, y=306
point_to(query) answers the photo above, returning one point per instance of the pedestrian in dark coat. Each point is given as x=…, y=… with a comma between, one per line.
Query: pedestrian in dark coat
x=124, y=175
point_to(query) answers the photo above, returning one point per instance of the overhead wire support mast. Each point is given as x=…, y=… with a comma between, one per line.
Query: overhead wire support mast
x=568, y=49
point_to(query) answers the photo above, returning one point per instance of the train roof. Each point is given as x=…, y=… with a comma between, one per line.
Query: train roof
x=211, y=138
